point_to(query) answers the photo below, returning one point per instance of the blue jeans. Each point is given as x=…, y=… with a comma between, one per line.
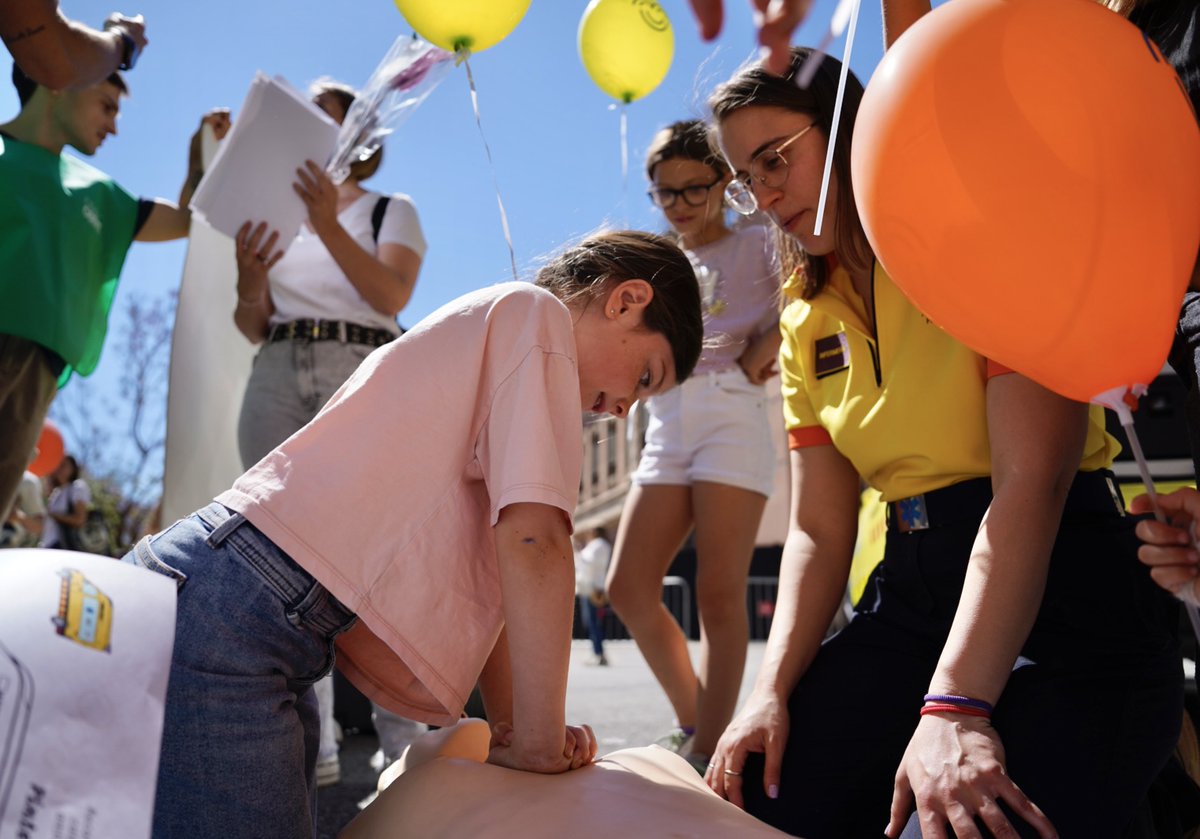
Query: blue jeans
x=253, y=632
x=590, y=614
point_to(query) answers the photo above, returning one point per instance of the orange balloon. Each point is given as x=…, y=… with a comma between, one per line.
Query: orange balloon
x=1028, y=172
x=50, y=450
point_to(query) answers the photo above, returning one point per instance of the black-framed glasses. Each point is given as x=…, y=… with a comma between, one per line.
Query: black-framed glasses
x=769, y=167
x=693, y=196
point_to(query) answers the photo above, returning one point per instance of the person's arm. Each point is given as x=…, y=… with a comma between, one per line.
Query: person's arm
x=537, y=587
x=898, y=15
x=77, y=515
x=60, y=53
x=758, y=360
x=385, y=281
x=1036, y=438
x=169, y=221
x=812, y=580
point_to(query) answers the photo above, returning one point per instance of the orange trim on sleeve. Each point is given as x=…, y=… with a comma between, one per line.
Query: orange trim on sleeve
x=995, y=368
x=811, y=435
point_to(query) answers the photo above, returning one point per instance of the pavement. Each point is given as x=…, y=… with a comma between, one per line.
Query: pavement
x=622, y=702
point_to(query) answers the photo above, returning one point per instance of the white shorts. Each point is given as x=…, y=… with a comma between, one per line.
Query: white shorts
x=713, y=427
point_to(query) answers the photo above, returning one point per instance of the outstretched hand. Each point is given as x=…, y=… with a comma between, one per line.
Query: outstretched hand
x=776, y=21
x=954, y=769
x=1170, y=548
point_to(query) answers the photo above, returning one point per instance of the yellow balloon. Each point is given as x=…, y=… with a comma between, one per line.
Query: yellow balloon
x=474, y=25
x=626, y=46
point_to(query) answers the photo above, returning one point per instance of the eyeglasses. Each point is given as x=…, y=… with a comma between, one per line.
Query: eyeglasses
x=769, y=167
x=693, y=196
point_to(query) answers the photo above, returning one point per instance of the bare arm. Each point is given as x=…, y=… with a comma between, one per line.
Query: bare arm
x=256, y=254
x=385, y=281
x=758, y=360
x=537, y=585
x=898, y=15
x=812, y=579
x=168, y=221
x=1037, y=442
x=61, y=53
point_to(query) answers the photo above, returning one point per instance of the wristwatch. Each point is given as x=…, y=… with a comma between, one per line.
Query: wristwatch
x=130, y=49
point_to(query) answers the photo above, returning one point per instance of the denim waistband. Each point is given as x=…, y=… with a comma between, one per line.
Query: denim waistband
x=308, y=602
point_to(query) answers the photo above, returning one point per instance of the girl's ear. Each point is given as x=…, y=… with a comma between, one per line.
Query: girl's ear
x=629, y=297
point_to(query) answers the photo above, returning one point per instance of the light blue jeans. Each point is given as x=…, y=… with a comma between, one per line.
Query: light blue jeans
x=253, y=632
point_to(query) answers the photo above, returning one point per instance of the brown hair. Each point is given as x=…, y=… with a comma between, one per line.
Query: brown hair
x=752, y=86
x=686, y=140
x=26, y=86
x=345, y=95
x=586, y=270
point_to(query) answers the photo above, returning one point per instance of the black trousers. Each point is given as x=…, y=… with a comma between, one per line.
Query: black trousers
x=1090, y=713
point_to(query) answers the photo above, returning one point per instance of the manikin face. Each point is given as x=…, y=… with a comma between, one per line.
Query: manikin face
x=87, y=117
x=747, y=133
x=691, y=222
x=620, y=361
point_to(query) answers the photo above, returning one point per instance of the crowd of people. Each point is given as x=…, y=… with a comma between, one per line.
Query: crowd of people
x=406, y=509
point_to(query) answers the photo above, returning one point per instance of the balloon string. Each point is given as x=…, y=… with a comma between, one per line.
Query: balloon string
x=837, y=117
x=512, y=254
x=625, y=164
x=1135, y=445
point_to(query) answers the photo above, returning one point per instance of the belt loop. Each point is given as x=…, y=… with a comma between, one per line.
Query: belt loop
x=221, y=533
x=341, y=325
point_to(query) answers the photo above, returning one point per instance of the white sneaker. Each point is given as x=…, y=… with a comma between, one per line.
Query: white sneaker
x=329, y=771
x=676, y=740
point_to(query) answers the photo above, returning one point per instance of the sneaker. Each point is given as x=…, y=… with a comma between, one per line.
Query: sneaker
x=329, y=771
x=677, y=740
x=596, y=660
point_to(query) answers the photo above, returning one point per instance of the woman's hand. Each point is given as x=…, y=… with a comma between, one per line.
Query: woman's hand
x=220, y=121
x=320, y=196
x=256, y=255
x=1170, y=548
x=579, y=749
x=762, y=726
x=954, y=768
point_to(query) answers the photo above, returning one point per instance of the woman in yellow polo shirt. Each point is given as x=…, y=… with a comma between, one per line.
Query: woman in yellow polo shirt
x=1010, y=661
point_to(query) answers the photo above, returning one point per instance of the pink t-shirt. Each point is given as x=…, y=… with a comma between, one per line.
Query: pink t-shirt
x=388, y=497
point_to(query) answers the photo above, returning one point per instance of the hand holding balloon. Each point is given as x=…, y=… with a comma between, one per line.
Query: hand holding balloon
x=1170, y=547
x=776, y=20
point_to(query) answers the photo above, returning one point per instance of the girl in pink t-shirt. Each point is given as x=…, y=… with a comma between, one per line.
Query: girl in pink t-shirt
x=422, y=523
x=708, y=462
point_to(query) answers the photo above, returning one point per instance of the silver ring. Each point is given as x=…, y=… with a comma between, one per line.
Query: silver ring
x=731, y=772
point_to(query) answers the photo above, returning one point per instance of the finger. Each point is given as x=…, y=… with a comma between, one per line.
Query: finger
x=1158, y=556
x=933, y=825
x=709, y=14
x=733, y=786
x=256, y=236
x=593, y=746
x=901, y=805
x=242, y=235
x=773, y=760
x=993, y=817
x=1160, y=533
x=570, y=745
x=269, y=245
x=962, y=820
x=1026, y=809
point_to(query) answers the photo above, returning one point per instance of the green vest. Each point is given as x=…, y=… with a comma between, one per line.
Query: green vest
x=65, y=228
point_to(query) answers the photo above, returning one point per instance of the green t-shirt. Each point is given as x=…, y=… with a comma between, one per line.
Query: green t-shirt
x=65, y=228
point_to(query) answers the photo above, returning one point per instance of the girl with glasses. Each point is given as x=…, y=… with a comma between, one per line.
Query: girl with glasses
x=708, y=462
x=1010, y=664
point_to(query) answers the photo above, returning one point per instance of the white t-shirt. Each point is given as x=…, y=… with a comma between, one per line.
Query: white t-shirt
x=307, y=282
x=59, y=503
x=591, y=566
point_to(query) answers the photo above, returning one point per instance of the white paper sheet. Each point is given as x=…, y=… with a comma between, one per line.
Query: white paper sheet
x=251, y=179
x=210, y=364
x=85, y=649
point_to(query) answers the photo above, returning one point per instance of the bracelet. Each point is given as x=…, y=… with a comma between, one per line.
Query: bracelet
x=941, y=708
x=960, y=701
x=129, y=49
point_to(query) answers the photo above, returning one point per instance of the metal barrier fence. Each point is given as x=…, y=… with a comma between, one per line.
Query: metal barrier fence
x=679, y=600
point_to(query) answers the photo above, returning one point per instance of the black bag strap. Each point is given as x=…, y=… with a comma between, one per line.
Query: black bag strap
x=377, y=216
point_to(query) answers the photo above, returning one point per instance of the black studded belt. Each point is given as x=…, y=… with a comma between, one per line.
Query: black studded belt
x=308, y=329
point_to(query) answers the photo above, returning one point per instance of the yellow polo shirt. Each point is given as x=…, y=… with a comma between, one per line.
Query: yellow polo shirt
x=905, y=403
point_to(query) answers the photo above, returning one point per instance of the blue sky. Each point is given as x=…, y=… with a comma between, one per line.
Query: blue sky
x=554, y=139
